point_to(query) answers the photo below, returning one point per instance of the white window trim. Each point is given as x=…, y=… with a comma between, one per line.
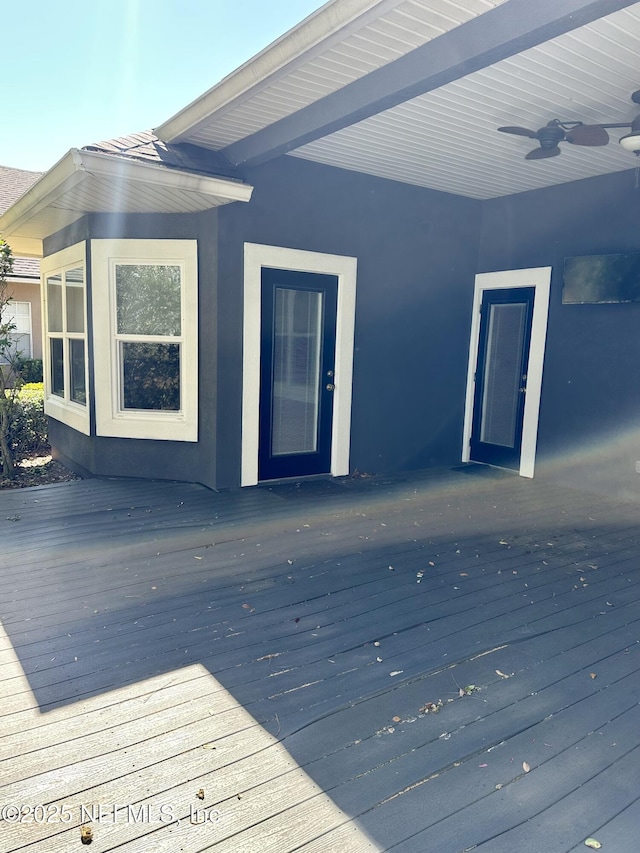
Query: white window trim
x=11, y=318
x=72, y=414
x=111, y=420
x=257, y=256
x=540, y=279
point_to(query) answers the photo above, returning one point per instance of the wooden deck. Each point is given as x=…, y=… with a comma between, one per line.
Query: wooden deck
x=441, y=663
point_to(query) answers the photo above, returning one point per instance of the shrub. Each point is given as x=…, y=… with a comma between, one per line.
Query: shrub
x=28, y=432
x=30, y=369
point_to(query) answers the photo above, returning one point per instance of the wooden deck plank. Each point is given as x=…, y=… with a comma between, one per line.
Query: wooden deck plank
x=489, y=575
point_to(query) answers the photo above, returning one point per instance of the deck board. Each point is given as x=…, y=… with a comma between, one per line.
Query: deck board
x=276, y=647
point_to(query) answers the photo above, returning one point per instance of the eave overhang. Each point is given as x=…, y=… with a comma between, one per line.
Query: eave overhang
x=84, y=182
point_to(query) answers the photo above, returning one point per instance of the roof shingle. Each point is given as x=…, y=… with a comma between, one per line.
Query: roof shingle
x=13, y=184
x=148, y=148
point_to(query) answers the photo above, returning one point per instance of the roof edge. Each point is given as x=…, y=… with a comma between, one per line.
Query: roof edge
x=77, y=164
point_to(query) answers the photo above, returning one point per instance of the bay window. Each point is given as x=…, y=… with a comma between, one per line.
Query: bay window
x=145, y=337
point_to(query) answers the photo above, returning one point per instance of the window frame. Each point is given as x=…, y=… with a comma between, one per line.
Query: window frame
x=112, y=419
x=63, y=408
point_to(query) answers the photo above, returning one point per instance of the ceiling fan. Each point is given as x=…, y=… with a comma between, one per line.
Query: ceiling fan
x=577, y=133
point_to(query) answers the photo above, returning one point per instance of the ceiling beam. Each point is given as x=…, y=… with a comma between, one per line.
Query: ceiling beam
x=505, y=31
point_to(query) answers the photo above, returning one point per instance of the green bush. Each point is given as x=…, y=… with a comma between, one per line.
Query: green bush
x=28, y=433
x=30, y=369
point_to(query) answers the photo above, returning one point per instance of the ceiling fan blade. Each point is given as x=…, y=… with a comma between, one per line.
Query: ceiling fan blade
x=519, y=131
x=542, y=153
x=587, y=134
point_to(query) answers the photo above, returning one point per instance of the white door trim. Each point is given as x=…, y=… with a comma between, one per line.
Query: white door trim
x=257, y=256
x=540, y=279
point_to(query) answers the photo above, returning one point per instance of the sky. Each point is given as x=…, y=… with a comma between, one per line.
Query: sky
x=75, y=72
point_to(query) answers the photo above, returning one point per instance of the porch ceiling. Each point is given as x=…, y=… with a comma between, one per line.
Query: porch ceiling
x=414, y=91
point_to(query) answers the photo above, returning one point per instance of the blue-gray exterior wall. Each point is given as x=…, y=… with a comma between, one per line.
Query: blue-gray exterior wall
x=416, y=252
x=589, y=431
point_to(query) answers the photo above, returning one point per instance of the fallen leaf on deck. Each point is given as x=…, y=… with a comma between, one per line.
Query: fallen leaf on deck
x=200, y=794
x=396, y=672
x=525, y=767
x=432, y=707
x=397, y=719
x=86, y=834
x=208, y=746
x=502, y=674
x=592, y=675
x=248, y=607
x=593, y=843
x=464, y=575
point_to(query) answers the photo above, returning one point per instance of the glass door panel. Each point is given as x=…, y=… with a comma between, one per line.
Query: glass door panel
x=501, y=376
x=296, y=366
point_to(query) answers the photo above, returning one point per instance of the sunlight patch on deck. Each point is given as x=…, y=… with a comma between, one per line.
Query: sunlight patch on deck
x=170, y=763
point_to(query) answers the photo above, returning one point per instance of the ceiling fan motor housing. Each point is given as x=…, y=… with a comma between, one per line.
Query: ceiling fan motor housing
x=550, y=135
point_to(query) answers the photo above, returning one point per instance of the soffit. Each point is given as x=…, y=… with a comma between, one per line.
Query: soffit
x=326, y=60
x=448, y=139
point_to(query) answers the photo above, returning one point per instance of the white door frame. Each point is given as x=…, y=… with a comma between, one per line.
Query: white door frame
x=257, y=256
x=540, y=279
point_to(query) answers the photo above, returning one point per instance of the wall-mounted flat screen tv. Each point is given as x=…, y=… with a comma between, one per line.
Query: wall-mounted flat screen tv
x=602, y=278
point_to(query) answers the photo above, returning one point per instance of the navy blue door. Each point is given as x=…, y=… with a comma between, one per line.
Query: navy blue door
x=297, y=366
x=501, y=376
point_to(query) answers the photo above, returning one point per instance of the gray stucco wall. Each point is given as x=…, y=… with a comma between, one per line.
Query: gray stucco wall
x=416, y=252
x=589, y=432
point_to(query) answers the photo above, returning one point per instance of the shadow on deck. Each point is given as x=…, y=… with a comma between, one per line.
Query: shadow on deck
x=443, y=662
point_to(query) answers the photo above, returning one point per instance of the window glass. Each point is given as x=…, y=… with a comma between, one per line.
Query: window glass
x=57, y=366
x=54, y=303
x=74, y=295
x=77, y=391
x=148, y=299
x=150, y=376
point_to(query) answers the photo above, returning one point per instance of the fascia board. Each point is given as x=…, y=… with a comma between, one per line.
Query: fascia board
x=111, y=166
